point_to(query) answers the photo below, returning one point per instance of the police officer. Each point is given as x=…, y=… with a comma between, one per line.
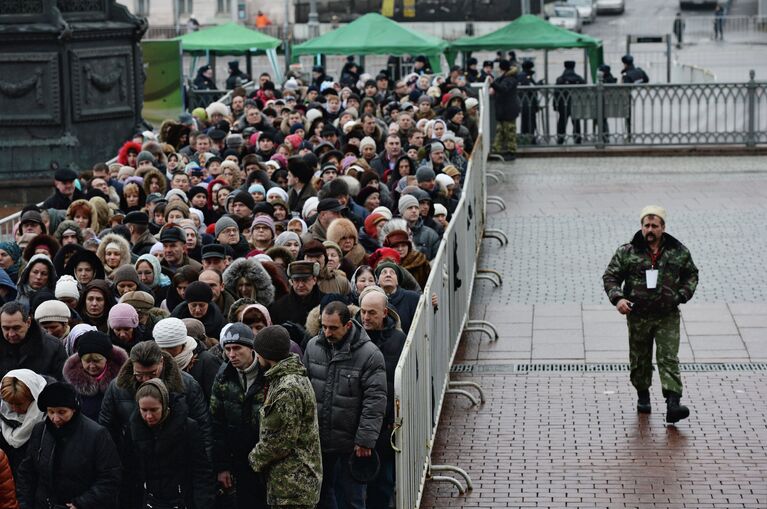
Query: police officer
x=487, y=70
x=646, y=280
x=506, y=111
x=529, y=100
x=631, y=73
x=563, y=103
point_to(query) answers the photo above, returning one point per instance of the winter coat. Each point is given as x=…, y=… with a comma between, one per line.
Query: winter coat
x=507, y=105
x=76, y=464
x=224, y=302
x=7, y=485
x=119, y=401
x=288, y=450
x=140, y=333
x=60, y=202
x=203, y=368
x=417, y=264
x=90, y=389
x=425, y=239
x=40, y=352
x=144, y=243
x=25, y=293
x=213, y=319
x=349, y=381
x=315, y=232
x=333, y=281
x=677, y=276
x=292, y=308
x=125, y=258
x=234, y=413
x=296, y=200
x=169, y=461
x=406, y=303
x=252, y=270
x=390, y=340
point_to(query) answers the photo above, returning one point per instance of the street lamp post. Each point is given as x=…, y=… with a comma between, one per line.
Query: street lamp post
x=314, y=20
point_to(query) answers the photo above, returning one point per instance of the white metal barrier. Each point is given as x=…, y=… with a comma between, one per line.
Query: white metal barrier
x=422, y=377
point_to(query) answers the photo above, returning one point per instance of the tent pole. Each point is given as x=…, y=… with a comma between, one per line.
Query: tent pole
x=212, y=61
x=586, y=64
x=546, y=65
x=249, y=63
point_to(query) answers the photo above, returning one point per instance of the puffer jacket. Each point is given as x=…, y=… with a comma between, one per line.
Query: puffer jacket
x=677, y=276
x=288, y=450
x=119, y=401
x=234, y=414
x=349, y=381
x=86, y=471
x=89, y=389
x=252, y=270
x=425, y=239
x=7, y=485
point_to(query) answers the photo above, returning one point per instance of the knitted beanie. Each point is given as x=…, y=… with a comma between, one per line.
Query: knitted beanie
x=424, y=174
x=264, y=220
x=52, y=311
x=224, y=223
x=237, y=333
x=66, y=287
x=384, y=211
x=405, y=202
x=272, y=343
x=195, y=329
x=94, y=342
x=244, y=198
x=387, y=264
x=285, y=237
x=169, y=332
x=125, y=273
x=198, y=292
x=122, y=316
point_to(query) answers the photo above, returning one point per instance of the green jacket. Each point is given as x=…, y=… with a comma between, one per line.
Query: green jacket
x=288, y=451
x=625, y=276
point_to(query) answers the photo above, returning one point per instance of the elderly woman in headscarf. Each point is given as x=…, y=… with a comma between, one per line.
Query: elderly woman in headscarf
x=150, y=274
x=10, y=259
x=38, y=274
x=19, y=391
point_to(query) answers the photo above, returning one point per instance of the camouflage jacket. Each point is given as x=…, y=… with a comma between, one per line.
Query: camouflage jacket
x=288, y=451
x=677, y=276
x=235, y=418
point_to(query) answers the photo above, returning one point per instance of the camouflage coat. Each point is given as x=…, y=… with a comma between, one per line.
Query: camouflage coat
x=234, y=413
x=677, y=276
x=288, y=451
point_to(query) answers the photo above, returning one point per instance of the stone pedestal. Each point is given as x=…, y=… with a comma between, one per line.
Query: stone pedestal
x=71, y=84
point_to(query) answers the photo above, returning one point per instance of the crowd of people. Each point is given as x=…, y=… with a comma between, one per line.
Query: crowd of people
x=214, y=319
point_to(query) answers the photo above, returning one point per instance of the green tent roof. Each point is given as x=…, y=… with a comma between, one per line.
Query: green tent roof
x=227, y=39
x=527, y=32
x=373, y=34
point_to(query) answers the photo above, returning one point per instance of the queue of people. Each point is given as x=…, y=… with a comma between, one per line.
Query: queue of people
x=214, y=319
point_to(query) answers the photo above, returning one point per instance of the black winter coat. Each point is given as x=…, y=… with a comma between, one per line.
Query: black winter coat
x=506, y=101
x=40, y=352
x=213, y=319
x=170, y=459
x=76, y=464
x=349, y=381
x=292, y=308
x=60, y=202
x=204, y=369
x=405, y=302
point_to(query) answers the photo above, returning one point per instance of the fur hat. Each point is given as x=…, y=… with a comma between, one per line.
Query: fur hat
x=58, y=394
x=341, y=228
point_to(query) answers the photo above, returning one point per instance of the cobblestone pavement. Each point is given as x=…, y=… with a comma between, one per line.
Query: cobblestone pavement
x=554, y=439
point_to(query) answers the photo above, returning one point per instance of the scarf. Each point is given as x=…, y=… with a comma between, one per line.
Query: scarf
x=17, y=428
x=187, y=354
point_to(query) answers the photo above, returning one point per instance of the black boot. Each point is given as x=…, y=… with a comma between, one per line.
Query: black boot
x=674, y=411
x=643, y=402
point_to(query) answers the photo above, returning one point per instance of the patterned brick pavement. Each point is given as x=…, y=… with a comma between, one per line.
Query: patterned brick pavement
x=574, y=439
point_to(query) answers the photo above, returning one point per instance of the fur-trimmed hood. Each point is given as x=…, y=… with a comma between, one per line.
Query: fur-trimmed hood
x=86, y=385
x=251, y=269
x=84, y=204
x=171, y=375
x=128, y=146
x=111, y=238
x=153, y=172
x=341, y=228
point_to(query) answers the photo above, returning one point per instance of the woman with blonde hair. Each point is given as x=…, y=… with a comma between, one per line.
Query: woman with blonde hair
x=19, y=414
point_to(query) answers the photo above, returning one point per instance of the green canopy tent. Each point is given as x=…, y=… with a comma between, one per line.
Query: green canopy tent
x=231, y=39
x=373, y=34
x=531, y=32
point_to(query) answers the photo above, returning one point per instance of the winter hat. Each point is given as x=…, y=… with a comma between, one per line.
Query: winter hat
x=439, y=210
x=367, y=141
x=424, y=174
x=122, y=316
x=125, y=273
x=94, y=342
x=285, y=237
x=237, y=334
x=381, y=266
x=170, y=332
x=195, y=329
x=445, y=180
x=384, y=211
x=244, y=198
x=58, y=394
x=272, y=343
x=177, y=192
x=198, y=292
x=264, y=220
x=653, y=210
x=396, y=237
x=371, y=221
x=141, y=301
x=406, y=201
x=277, y=191
x=312, y=115
x=224, y=223
x=66, y=287
x=256, y=188
x=451, y=112
x=52, y=311
x=144, y=155
x=436, y=146
x=470, y=103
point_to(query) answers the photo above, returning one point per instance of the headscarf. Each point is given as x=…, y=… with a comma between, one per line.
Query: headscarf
x=17, y=428
x=156, y=268
x=14, y=251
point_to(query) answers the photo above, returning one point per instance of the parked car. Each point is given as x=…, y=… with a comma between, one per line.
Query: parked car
x=566, y=16
x=611, y=6
x=686, y=4
x=586, y=9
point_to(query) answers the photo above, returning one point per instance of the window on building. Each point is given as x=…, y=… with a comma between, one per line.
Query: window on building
x=142, y=8
x=223, y=6
x=185, y=7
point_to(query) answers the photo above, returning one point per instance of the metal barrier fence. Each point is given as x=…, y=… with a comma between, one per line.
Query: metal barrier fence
x=652, y=114
x=422, y=377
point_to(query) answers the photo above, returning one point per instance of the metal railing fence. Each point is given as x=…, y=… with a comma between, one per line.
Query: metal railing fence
x=640, y=115
x=422, y=377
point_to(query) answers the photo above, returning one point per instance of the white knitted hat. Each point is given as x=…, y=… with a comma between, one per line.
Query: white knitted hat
x=169, y=332
x=66, y=287
x=52, y=311
x=384, y=211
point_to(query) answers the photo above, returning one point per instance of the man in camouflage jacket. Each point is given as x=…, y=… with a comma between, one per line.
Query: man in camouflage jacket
x=288, y=450
x=651, y=308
